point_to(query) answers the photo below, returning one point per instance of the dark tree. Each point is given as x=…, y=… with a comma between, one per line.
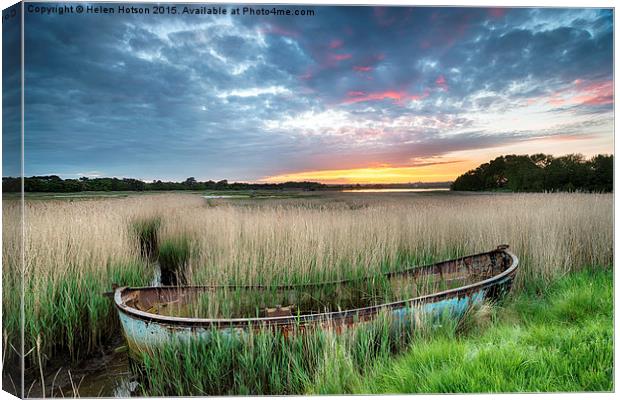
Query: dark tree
x=540, y=172
x=56, y=184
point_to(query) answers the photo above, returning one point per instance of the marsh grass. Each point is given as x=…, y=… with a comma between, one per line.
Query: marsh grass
x=73, y=315
x=76, y=250
x=347, y=235
x=276, y=363
x=223, y=364
x=74, y=253
x=174, y=256
x=146, y=230
x=301, y=299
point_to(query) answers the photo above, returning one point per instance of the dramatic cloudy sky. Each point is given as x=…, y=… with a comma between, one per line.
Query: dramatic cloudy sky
x=360, y=94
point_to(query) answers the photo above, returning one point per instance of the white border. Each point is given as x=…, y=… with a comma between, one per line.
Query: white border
x=472, y=3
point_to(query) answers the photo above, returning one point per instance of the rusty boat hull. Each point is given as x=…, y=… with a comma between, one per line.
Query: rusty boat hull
x=143, y=328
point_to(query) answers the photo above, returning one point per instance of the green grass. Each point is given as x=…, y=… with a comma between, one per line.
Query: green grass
x=560, y=341
x=173, y=256
x=71, y=316
x=146, y=231
x=269, y=362
x=263, y=363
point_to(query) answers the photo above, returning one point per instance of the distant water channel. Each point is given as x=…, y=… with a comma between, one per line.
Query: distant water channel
x=394, y=190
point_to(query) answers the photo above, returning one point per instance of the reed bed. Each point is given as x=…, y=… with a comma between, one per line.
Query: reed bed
x=271, y=362
x=347, y=235
x=75, y=250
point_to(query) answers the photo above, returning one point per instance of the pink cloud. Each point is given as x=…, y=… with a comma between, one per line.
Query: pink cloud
x=336, y=44
x=599, y=100
x=355, y=93
x=441, y=82
x=397, y=96
x=595, y=93
x=556, y=100
x=582, y=93
x=340, y=57
x=360, y=68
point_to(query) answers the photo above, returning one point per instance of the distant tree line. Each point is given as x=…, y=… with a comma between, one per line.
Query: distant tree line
x=54, y=183
x=541, y=172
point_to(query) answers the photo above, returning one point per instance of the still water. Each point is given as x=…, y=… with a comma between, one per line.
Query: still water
x=394, y=190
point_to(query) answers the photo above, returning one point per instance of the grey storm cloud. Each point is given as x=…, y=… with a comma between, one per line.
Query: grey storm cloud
x=225, y=97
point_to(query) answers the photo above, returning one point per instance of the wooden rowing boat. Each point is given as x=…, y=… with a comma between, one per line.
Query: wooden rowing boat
x=477, y=277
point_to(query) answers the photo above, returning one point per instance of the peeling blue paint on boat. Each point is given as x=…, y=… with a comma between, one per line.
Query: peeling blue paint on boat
x=142, y=334
x=455, y=306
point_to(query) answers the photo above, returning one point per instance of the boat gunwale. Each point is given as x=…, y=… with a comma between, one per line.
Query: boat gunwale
x=316, y=317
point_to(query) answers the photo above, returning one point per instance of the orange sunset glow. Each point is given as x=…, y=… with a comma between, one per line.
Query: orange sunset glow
x=384, y=174
x=450, y=167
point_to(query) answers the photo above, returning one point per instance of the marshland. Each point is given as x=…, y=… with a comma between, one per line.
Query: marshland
x=553, y=332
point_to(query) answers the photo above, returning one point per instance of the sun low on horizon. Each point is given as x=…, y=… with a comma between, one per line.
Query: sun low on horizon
x=384, y=174
x=346, y=95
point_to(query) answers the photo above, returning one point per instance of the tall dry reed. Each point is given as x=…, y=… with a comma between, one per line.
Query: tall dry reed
x=330, y=236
